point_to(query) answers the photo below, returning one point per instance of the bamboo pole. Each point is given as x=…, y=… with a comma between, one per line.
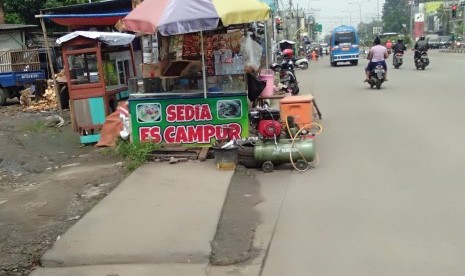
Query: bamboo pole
x=50, y=64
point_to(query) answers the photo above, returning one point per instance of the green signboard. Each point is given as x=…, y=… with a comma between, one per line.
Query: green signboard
x=189, y=120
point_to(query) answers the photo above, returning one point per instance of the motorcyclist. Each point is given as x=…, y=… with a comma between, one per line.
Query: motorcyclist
x=420, y=45
x=389, y=45
x=377, y=55
x=399, y=47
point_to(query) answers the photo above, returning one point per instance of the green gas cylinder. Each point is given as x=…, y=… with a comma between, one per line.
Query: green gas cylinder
x=282, y=150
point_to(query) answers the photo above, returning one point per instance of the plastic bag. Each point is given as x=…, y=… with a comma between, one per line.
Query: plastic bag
x=251, y=53
x=254, y=87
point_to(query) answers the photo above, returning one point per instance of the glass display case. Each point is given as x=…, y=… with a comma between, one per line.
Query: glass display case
x=97, y=77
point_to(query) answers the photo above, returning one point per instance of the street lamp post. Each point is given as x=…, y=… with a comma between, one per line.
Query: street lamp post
x=360, y=15
x=350, y=17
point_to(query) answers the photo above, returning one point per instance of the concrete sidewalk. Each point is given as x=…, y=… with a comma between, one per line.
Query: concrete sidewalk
x=158, y=221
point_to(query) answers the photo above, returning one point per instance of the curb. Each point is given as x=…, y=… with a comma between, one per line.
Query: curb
x=461, y=51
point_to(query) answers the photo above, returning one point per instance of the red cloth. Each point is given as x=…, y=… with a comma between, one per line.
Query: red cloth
x=112, y=126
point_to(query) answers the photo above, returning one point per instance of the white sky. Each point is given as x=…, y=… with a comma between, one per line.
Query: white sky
x=332, y=13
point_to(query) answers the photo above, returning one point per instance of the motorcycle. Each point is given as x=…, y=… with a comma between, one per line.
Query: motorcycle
x=377, y=76
x=301, y=63
x=286, y=76
x=421, y=59
x=397, y=59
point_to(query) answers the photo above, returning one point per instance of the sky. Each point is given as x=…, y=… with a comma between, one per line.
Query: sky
x=332, y=13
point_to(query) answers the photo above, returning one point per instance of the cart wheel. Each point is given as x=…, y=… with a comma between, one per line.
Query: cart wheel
x=302, y=165
x=268, y=166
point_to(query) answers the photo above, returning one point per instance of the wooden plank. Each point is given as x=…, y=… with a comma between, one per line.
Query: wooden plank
x=203, y=154
x=167, y=155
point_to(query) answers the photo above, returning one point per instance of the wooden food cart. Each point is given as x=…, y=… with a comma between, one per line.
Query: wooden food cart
x=186, y=110
x=97, y=67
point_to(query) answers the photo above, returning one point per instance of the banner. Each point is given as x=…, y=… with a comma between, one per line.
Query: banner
x=418, y=29
x=432, y=7
x=189, y=120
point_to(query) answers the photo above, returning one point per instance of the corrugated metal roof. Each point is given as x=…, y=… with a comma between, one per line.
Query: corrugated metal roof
x=103, y=13
x=109, y=6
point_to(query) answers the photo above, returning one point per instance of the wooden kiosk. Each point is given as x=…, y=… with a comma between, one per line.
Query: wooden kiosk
x=97, y=67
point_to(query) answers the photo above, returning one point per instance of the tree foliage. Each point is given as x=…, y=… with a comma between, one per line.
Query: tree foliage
x=24, y=11
x=395, y=13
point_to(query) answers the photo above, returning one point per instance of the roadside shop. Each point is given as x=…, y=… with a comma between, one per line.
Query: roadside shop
x=197, y=93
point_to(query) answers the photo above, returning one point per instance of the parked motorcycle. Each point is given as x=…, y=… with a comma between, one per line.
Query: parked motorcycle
x=301, y=63
x=421, y=60
x=377, y=76
x=397, y=59
x=287, y=75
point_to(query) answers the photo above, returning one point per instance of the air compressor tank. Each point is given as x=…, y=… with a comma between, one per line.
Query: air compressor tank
x=269, y=153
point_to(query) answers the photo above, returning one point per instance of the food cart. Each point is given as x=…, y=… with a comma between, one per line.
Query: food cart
x=97, y=68
x=196, y=94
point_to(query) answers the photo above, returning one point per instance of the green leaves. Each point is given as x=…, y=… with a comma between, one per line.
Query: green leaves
x=395, y=13
x=24, y=11
x=135, y=153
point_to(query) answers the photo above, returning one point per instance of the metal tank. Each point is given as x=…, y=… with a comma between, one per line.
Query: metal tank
x=268, y=153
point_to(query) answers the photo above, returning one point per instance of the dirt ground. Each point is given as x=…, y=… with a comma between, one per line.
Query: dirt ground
x=48, y=181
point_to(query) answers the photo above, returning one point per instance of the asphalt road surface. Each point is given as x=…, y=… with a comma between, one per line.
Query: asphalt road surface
x=388, y=195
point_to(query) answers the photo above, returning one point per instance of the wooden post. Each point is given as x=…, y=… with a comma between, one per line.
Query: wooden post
x=50, y=64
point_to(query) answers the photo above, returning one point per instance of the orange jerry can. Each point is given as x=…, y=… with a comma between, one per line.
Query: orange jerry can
x=300, y=107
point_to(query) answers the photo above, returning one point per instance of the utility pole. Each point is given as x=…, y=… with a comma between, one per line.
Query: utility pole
x=411, y=4
x=463, y=22
x=377, y=7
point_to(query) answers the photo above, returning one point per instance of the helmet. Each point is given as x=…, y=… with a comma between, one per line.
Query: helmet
x=399, y=40
x=377, y=41
x=288, y=53
x=275, y=67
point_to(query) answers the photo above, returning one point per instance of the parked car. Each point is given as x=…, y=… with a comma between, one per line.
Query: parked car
x=444, y=42
x=433, y=43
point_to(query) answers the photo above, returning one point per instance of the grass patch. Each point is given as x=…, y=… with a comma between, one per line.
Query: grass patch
x=34, y=126
x=135, y=153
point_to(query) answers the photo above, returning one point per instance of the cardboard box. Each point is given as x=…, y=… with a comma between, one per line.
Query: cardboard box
x=151, y=70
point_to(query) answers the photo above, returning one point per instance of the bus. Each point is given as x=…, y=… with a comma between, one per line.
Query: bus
x=344, y=45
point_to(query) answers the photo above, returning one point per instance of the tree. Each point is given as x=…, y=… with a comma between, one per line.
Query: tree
x=24, y=11
x=2, y=13
x=395, y=13
x=443, y=17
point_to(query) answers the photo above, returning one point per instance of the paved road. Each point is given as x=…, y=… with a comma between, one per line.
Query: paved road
x=388, y=195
